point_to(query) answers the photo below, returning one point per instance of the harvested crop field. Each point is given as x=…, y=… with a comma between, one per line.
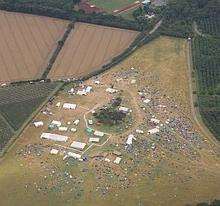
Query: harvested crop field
x=26, y=43
x=87, y=48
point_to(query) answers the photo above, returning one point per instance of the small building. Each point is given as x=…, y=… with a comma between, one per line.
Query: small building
x=54, y=137
x=153, y=131
x=54, y=151
x=78, y=145
x=56, y=123
x=117, y=160
x=124, y=109
x=38, y=124
x=111, y=90
x=94, y=139
x=99, y=134
x=69, y=106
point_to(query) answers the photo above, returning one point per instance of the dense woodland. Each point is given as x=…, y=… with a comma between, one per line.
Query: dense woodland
x=179, y=15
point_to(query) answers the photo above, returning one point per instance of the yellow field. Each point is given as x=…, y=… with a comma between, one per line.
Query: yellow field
x=26, y=44
x=172, y=168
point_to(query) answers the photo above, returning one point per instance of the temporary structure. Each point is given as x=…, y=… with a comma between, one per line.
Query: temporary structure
x=54, y=137
x=154, y=120
x=78, y=145
x=117, y=160
x=38, y=124
x=124, y=109
x=146, y=101
x=54, y=151
x=69, y=106
x=76, y=122
x=74, y=155
x=94, y=139
x=153, y=131
x=130, y=139
x=99, y=134
x=63, y=129
x=111, y=90
x=56, y=123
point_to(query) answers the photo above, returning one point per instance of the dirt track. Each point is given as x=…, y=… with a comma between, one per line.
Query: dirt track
x=127, y=8
x=26, y=42
x=89, y=47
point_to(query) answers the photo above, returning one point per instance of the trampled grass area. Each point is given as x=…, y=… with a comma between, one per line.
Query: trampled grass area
x=111, y=5
x=167, y=175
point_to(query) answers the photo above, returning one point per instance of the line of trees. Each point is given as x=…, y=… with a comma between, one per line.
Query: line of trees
x=56, y=52
x=100, y=19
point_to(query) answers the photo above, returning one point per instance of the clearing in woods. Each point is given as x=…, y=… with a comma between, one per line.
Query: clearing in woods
x=112, y=5
x=87, y=48
x=26, y=43
x=177, y=166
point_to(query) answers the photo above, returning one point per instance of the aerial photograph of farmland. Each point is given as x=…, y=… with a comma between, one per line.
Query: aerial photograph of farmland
x=110, y=103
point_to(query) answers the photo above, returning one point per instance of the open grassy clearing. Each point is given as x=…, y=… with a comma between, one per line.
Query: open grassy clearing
x=26, y=43
x=175, y=167
x=128, y=14
x=88, y=48
x=112, y=5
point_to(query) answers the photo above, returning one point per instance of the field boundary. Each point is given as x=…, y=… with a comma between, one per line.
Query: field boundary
x=57, y=50
x=13, y=140
x=97, y=19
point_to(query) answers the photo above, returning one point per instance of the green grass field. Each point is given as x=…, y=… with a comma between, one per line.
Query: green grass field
x=111, y=5
x=128, y=14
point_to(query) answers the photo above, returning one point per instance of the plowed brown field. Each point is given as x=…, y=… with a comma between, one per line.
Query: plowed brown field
x=26, y=43
x=88, y=47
